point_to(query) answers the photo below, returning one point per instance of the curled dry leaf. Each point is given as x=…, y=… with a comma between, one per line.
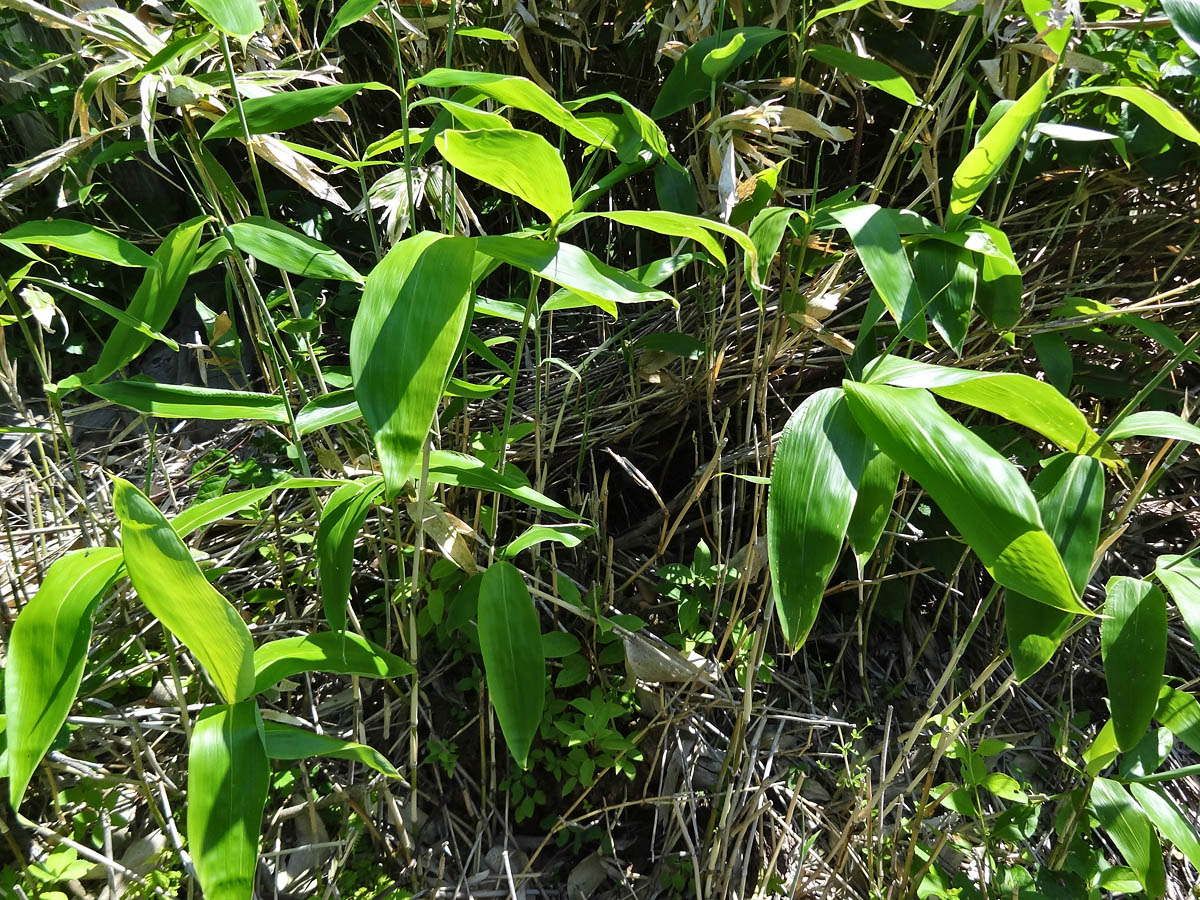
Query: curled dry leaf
x=449, y=533
x=298, y=168
x=799, y=120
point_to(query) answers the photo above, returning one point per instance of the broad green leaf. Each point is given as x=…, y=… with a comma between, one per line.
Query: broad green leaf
x=850, y=5
x=403, y=342
x=1055, y=31
x=980, y=491
x=77, y=238
x=567, y=535
x=228, y=774
x=510, y=641
x=814, y=482
x=572, y=268
x=206, y=512
x=946, y=276
x=1070, y=496
x=180, y=401
x=47, y=649
x=985, y=160
x=998, y=291
x=661, y=221
x=1018, y=398
x=1131, y=831
x=327, y=410
x=1148, y=102
x=1170, y=822
x=876, y=237
x=153, y=303
x=287, y=109
x=766, y=233
x=651, y=135
x=1156, y=424
x=324, y=651
x=172, y=587
x=458, y=469
x=1181, y=577
x=1185, y=18
x=289, y=742
x=519, y=93
x=873, y=505
x=1055, y=358
x=1133, y=645
x=688, y=83
x=341, y=520
x=1102, y=750
x=872, y=71
x=1179, y=713
x=559, y=644
x=348, y=13
x=470, y=118
x=719, y=61
x=483, y=33
x=289, y=250
x=517, y=162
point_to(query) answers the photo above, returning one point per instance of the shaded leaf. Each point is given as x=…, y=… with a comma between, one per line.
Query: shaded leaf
x=946, y=277
x=341, y=520
x=688, y=83
x=1131, y=831
x=876, y=492
x=1181, y=577
x=872, y=71
x=289, y=250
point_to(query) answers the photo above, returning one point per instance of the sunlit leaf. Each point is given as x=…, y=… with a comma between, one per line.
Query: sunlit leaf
x=1169, y=820
x=172, y=587
x=517, y=162
x=566, y=535
x=408, y=326
x=1185, y=17
x=1181, y=577
x=47, y=649
x=325, y=651
x=1156, y=424
x=348, y=13
x=289, y=742
x=181, y=401
x=1148, y=102
x=286, y=109
x=872, y=71
x=228, y=773
x=1133, y=645
x=873, y=504
x=814, y=482
x=450, y=468
x=328, y=410
x=1131, y=831
x=980, y=491
x=510, y=640
x=78, y=238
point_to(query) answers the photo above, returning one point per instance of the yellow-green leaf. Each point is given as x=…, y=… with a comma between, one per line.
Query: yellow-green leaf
x=325, y=651
x=289, y=250
x=1133, y=645
x=173, y=588
x=289, y=742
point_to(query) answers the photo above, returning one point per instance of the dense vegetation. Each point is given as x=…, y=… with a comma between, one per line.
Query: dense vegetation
x=680, y=449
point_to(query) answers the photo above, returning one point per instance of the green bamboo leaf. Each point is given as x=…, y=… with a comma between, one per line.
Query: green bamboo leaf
x=46, y=652
x=341, y=520
x=1156, y=424
x=766, y=232
x=1131, y=831
x=998, y=291
x=850, y=5
x=946, y=277
x=281, y=247
x=403, y=342
x=484, y=33
x=289, y=742
x=873, y=505
x=122, y=317
x=510, y=640
x=228, y=774
x=985, y=160
x=872, y=71
x=78, y=238
x=348, y=13
x=814, y=482
x=1167, y=818
x=1179, y=713
x=517, y=162
x=1185, y=18
x=702, y=231
x=688, y=83
x=287, y=109
x=327, y=410
x=1133, y=645
x=719, y=61
x=1018, y=398
x=567, y=535
x=572, y=268
x=1148, y=102
x=651, y=135
x=172, y=587
x=206, y=512
x=519, y=93
x=461, y=470
x=1070, y=495
x=468, y=118
x=876, y=237
x=153, y=303
x=980, y=491
x=326, y=651
x=1181, y=577
x=181, y=401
